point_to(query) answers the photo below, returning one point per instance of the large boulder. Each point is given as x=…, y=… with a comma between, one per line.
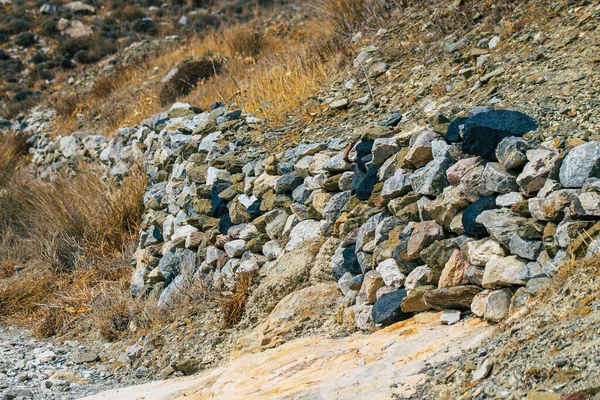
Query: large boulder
x=484, y=131
x=581, y=163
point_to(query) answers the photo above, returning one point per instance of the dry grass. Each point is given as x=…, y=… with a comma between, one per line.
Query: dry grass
x=269, y=73
x=74, y=235
x=233, y=305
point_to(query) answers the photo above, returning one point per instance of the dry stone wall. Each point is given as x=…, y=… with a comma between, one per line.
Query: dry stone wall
x=470, y=216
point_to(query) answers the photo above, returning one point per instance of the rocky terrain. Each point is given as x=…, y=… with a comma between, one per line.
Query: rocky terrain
x=429, y=184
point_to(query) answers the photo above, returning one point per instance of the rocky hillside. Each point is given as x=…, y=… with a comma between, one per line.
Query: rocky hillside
x=450, y=166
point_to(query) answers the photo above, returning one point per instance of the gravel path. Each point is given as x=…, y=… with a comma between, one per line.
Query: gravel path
x=33, y=369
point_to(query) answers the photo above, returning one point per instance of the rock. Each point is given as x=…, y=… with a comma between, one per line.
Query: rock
x=414, y=302
x=383, y=148
x=581, y=162
x=502, y=224
x=454, y=272
x=511, y=152
x=420, y=152
x=345, y=283
x=288, y=182
x=456, y=297
x=69, y=145
x=396, y=185
x=80, y=8
x=235, y=248
x=552, y=207
x=508, y=199
x=498, y=179
x=417, y=277
x=460, y=168
x=332, y=210
x=587, y=204
x=337, y=164
x=496, y=305
x=275, y=222
x=473, y=211
x=305, y=230
x=81, y=357
x=542, y=165
x=339, y=104
x=482, y=371
x=436, y=256
x=390, y=273
x=537, y=285
x=364, y=187
x=472, y=184
x=450, y=317
x=422, y=236
x=528, y=249
x=447, y=206
x=479, y=252
x=484, y=131
x=504, y=271
x=368, y=291
x=388, y=308
x=431, y=179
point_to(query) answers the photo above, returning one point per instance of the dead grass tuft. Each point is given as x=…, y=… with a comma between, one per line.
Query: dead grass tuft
x=244, y=40
x=233, y=306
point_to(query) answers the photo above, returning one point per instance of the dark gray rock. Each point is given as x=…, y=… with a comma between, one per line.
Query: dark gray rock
x=471, y=213
x=387, y=308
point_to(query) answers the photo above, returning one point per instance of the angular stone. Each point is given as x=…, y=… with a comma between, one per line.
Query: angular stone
x=450, y=317
x=456, y=297
x=484, y=131
x=508, y=199
x=587, y=204
x=511, y=152
x=288, y=182
x=372, y=281
x=365, y=186
x=497, y=305
x=543, y=164
x=383, y=148
x=553, y=206
x=581, y=162
x=337, y=164
x=235, y=248
x=537, y=285
x=528, y=249
x=396, y=185
x=332, y=210
x=420, y=152
x=454, y=272
x=436, y=256
x=417, y=277
x=272, y=249
x=498, y=179
x=275, y=222
x=305, y=230
x=502, y=224
x=473, y=211
x=460, y=168
x=504, y=271
x=447, y=206
x=479, y=252
x=414, y=302
x=390, y=273
x=422, y=236
x=431, y=179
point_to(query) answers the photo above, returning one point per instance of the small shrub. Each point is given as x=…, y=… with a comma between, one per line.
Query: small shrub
x=50, y=28
x=244, y=40
x=17, y=25
x=129, y=13
x=144, y=25
x=38, y=58
x=186, y=78
x=25, y=39
x=93, y=49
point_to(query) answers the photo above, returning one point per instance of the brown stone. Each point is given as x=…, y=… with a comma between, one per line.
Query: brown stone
x=454, y=272
x=456, y=297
